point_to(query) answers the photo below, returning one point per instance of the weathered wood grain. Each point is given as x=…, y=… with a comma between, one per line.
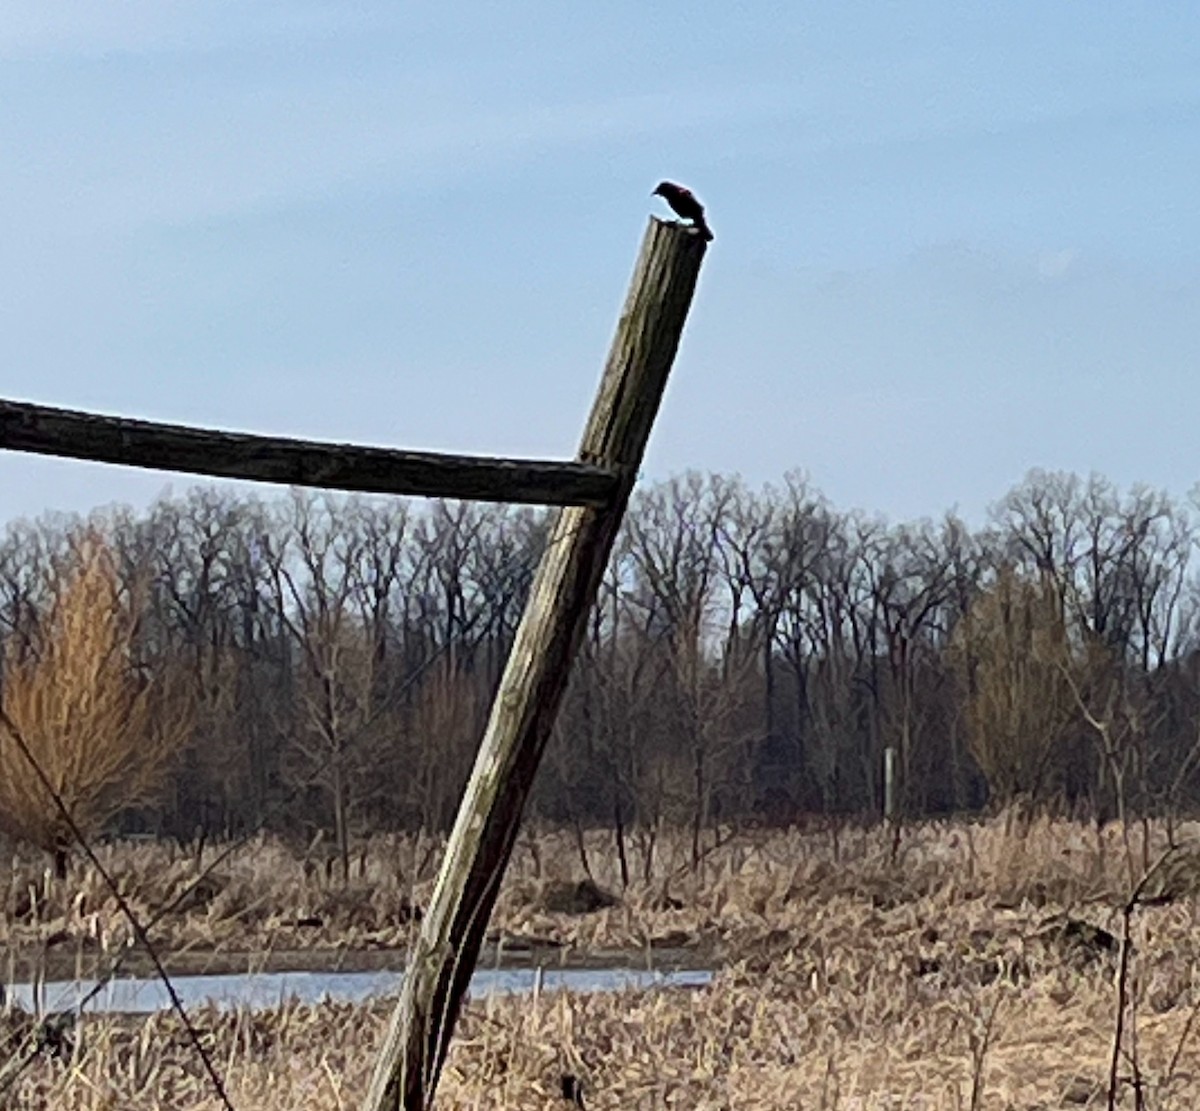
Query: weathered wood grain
x=174, y=447
x=536, y=674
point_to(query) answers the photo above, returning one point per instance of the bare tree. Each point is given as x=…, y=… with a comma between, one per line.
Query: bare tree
x=99, y=725
x=317, y=582
x=1010, y=650
x=752, y=654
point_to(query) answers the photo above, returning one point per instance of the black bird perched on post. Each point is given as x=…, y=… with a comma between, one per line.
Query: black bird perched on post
x=684, y=203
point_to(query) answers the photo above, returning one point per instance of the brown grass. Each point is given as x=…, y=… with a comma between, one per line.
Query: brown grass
x=979, y=959
x=268, y=896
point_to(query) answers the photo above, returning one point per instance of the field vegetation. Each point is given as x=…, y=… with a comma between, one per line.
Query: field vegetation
x=245, y=726
x=977, y=965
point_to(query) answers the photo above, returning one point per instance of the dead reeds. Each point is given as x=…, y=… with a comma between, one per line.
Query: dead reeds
x=976, y=970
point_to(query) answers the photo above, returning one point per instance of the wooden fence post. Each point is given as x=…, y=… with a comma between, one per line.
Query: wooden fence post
x=523, y=712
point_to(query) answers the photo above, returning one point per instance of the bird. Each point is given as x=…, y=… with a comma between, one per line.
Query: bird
x=683, y=203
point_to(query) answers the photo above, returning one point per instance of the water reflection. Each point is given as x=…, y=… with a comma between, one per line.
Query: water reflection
x=260, y=991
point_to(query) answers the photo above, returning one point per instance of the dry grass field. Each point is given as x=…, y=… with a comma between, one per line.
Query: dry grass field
x=978, y=967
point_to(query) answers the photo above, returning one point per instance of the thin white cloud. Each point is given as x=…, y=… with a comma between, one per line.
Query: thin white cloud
x=34, y=28
x=246, y=149
x=41, y=29
x=1054, y=265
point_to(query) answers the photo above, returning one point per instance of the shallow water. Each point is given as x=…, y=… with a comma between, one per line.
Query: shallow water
x=260, y=991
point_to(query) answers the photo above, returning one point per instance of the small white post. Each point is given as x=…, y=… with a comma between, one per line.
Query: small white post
x=889, y=784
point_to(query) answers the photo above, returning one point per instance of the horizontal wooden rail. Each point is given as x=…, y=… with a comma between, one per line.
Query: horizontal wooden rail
x=369, y=470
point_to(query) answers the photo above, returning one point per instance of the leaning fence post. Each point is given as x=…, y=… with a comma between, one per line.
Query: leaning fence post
x=535, y=676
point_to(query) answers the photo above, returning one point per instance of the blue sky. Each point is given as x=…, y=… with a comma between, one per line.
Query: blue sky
x=954, y=241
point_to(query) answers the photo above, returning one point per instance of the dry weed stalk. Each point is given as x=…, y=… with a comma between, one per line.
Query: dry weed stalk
x=1125, y=1015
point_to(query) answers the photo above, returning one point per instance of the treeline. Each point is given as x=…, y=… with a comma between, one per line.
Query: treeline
x=752, y=655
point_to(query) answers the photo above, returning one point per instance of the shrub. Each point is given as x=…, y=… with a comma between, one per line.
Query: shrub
x=101, y=728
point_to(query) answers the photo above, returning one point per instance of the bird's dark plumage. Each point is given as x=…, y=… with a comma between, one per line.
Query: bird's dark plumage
x=684, y=204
